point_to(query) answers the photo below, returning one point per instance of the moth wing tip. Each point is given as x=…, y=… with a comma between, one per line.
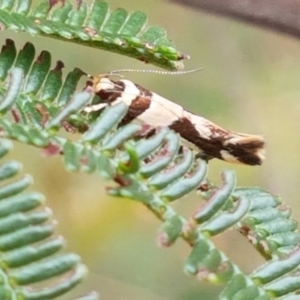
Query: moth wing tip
x=247, y=149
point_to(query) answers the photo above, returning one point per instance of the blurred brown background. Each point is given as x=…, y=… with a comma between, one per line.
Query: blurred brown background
x=250, y=83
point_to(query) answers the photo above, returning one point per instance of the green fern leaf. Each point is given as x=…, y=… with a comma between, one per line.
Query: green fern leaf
x=95, y=26
x=30, y=251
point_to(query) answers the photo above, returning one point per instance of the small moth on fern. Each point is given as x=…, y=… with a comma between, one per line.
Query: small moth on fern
x=198, y=133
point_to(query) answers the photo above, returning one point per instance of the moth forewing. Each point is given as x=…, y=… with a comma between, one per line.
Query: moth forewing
x=146, y=107
x=160, y=113
x=206, y=128
x=128, y=93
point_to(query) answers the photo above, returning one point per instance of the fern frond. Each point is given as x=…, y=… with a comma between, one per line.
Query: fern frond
x=30, y=250
x=95, y=26
x=268, y=225
x=33, y=92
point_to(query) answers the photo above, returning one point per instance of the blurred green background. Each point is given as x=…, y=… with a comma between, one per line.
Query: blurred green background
x=250, y=83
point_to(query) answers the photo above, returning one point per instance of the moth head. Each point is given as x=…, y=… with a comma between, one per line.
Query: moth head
x=102, y=82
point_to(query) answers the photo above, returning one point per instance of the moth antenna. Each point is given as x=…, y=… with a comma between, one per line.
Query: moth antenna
x=115, y=72
x=104, y=75
x=117, y=75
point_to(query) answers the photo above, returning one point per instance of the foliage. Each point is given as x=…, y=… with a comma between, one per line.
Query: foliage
x=37, y=103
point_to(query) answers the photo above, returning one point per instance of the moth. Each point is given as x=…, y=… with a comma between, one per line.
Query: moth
x=198, y=133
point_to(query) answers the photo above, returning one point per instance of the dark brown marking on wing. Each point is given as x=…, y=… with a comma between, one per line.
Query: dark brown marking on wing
x=138, y=105
x=144, y=93
x=112, y=94
x=245, y=152
x=216, y=130
x=107, y=96
x=187, y=130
